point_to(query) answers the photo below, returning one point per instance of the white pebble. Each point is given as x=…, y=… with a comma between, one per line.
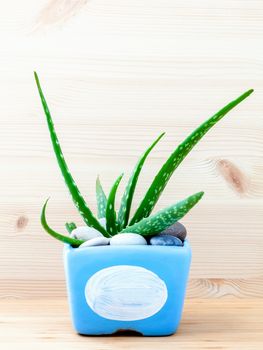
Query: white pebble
x=95, y=242
x=128, y=239
x=85, y=233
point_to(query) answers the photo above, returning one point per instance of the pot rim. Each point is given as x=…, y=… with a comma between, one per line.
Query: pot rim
x=186, y=247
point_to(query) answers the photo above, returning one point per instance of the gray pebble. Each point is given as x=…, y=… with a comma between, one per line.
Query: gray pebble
x=166, y=240
x=178, y=230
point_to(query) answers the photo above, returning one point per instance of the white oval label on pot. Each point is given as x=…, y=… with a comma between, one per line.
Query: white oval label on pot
x=125, y=293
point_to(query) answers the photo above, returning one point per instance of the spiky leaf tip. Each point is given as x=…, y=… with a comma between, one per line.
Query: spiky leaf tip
x=126, y=201
x=111, y=217
x=65, y=239
x=78, y=199
x=101, y=199
x=70, y=226
x=164, y=218
x=161, y=179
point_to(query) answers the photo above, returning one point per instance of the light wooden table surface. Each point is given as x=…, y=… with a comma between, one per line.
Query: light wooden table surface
x=207, y=324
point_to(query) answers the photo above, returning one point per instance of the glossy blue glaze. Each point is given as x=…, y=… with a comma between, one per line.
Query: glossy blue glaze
x=170, y=263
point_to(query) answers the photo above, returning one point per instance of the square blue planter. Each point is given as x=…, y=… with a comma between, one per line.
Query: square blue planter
x=138, y=288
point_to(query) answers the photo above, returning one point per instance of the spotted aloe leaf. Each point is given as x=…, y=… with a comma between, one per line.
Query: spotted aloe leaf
x=161, y=179
x=164, y=218
x=70, y=226
x=126, y=201
x=72, y=241
x=78, y=200
x=111, y=218
x=101, y=199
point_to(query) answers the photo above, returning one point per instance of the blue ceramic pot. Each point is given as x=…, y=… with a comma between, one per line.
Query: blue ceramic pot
x=139, y=288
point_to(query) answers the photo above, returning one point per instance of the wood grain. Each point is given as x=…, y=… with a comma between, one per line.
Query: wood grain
x=116, y=74
x=204, y=288
x=59, y=11
x=206, y=324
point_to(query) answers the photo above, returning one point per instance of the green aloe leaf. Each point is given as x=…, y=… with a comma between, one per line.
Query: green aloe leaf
x=72, y=241
x=111, y=219
x=161, y=179
x=70, y=226
x=126, y=201
x=101, y=200
x=164, y=218
x=78, y=200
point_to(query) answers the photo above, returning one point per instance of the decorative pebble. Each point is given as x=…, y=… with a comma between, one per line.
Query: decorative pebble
x=85, y=233
x=166, y=240
x=128, y=239
x=178, y=230
x=95, y=242
x=102, y=221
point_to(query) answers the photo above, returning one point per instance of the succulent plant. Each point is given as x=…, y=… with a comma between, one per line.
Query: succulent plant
x=142, y=222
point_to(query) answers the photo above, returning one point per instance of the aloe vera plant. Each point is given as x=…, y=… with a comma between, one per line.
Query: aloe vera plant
x=111, y=222
x=74, y=242
x=101, y=200
x=127, y=197
x=78, y=200
x=161, y=179
x=164, y=218
x=142, y=222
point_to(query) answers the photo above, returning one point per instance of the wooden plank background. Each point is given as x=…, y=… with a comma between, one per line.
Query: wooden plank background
x=116, y=74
